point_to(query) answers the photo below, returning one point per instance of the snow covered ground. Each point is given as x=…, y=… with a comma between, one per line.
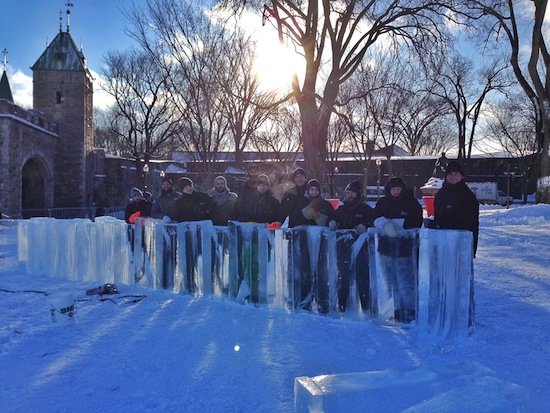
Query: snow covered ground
x=176, y=353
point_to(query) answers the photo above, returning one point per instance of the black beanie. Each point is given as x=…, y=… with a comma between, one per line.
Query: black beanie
x=183, y=182
x=354, y=186
x=454, y=166
x=166, y=179
x=314, y=182
x=393, y=182
x=135, y=192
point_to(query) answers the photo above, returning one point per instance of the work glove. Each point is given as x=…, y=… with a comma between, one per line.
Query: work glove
x=333, y=225
x=133, y=217
x=311, y=213
x=360, y=229
x=166, y=219
x=390, y=229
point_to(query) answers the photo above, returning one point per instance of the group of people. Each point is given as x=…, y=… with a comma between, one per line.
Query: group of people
x=456, y=207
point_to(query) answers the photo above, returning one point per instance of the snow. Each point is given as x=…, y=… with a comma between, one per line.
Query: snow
x=177, y=353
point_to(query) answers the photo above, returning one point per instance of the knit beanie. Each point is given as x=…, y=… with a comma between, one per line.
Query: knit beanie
x=135, y=192
x=263, y=179
x=299, y=171
x=354, y=186
x=393, y=182
x=314, y=183
x=454, y=166
x=166, y=179
x=183, y=182
x=222, y=178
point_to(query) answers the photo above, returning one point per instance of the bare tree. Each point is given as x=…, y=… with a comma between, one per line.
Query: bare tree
x=143, y=117
x=516, y=24
x=333, y=38
x=511, y=126
x=454, y=82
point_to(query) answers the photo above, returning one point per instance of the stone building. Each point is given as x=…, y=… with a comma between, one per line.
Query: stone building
x=46, y=152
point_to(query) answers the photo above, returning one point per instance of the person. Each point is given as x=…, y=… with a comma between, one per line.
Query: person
x=291, y=196
x=193, y=205
x=164, y=205
x=225, y=202
x=137, y=208
x=397, y=210
x=312, y=209
x=353, y=213
x=263, y=207
x=248, y=189
x=440, y=165
x=455, y=205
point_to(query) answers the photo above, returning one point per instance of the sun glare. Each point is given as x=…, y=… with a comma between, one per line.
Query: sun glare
x=275, y=65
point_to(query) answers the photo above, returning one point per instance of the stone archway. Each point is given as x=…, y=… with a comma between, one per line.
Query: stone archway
x=33, y=185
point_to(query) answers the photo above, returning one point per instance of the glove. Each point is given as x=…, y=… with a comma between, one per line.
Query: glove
x=390, y=229
x=274, y=225
x=380, y=222
x=360, y=229
x=311, y=213
x=317, y=203
x=333, y=226
x=133, y=217
x=166, y=219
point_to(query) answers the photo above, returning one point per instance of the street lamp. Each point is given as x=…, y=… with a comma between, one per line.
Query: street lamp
x=162, y=174
x=378, y=166
x=145, y=173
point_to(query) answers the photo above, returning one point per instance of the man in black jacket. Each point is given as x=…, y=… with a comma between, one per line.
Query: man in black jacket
x=398, y=210
x=291, y=196
x=455, y=205
x=353, y=213
x=193, y=205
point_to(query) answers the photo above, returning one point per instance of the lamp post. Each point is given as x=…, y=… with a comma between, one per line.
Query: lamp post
x=145, y=174
x=378, y=166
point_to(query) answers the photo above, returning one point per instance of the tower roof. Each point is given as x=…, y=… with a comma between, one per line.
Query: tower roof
x=5, y=90
x=62, y=54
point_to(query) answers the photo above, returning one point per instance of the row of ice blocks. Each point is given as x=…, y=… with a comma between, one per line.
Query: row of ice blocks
x=457, y=388
x=423, y=275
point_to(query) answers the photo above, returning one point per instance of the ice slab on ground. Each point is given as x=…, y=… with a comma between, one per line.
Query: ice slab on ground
x=444, y=388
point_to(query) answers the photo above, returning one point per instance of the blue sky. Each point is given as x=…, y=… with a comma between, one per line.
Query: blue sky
x=26, y=26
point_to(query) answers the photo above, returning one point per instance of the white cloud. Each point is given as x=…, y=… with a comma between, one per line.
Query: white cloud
x=102, y=100
x=21, y=89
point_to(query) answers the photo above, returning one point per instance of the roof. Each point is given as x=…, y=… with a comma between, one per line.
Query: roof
x=62, y=54
x=5, y=90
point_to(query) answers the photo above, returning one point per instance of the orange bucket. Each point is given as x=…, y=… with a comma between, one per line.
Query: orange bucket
x=429, y=205
x=334, y=202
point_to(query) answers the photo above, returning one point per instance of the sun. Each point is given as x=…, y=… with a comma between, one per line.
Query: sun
x=274, y=65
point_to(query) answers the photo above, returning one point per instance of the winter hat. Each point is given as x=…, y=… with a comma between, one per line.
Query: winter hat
x=136, y=192
x=314, y=183
x=299, y=171
x=253, y=170
x=354, y=186
x=263, y=179
x=166, y=179
x=222, y=178
x=183, y=182
x=454, y=166
x=395, y=181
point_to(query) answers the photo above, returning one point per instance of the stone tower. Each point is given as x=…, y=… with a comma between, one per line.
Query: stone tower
x=63, y=91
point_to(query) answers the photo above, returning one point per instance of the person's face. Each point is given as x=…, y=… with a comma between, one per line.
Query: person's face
x=396, y=191
x=262, y=187
x=253, y=174
x=219, y=185
x=166, y=187
x=300, y=180
x=453, y=177
x=313, y=192
x=187, y=189
x=137, y=198
x=350, y=196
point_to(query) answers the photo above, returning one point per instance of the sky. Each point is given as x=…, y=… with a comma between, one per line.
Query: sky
x=26, y=26
x=179, y=353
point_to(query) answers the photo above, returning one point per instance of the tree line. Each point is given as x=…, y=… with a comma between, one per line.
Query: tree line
x=426, y=75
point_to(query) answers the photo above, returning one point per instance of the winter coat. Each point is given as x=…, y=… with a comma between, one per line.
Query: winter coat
x=196, y=206
x=225, y=206
x=165, y=204
x=456, y=207
x=350, y=214
x=289, y=201
x=319, y=210
x=142, y=206
x=406, y=207
x=261, y=208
